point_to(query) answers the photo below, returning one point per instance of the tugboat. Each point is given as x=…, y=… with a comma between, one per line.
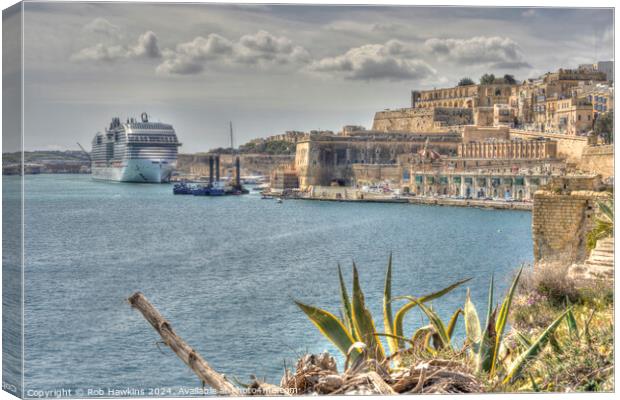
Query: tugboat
x=182, y=188
x=212, y=189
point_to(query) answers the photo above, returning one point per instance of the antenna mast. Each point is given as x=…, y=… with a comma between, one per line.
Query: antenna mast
x=232, y=143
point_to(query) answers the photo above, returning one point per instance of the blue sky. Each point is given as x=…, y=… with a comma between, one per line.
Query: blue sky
x=274, y=68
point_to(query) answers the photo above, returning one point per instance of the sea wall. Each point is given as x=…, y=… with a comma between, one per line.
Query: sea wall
x=560, y=223
x=598, y=159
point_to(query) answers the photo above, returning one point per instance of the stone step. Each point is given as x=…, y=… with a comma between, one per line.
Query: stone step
x=594, y=275
x=608, y=253
x=603, y=260
x=599, y=268
x=605, y=242
x=606, y=247
x=601, y=257
x=596, y=264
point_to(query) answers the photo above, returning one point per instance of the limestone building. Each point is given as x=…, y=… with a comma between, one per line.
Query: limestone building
x=495, y=168
x=325, y=160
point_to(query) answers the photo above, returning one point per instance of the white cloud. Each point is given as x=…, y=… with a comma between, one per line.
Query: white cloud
x=146, y=47
x=499, y=52
x=261, y=48
x=103, y=26
x=393, y=61
x=190, y=57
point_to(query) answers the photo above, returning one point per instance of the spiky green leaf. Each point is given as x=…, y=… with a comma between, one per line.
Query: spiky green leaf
x=502, y=318
x=440, y=327
x=346, y=304
x=400, y=314
x=363, y=322
x=517, y=365
x=452, y=323
x=392, y=340
x=572, y=324
x=329, y=325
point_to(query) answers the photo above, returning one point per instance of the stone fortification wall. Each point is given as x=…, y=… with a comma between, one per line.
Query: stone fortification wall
x=322, y=161
x=364, y=174
x=472, y=133
x=483, y=116
x=251, y=164
x=560, y=223
x=599, y=160
x=421, y=119
x=569, y=147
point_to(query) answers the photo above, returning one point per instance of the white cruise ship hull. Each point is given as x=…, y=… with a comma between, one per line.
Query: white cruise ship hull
x=140, y=171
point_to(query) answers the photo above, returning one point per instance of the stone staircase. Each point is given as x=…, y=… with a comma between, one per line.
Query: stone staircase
x=600, y=263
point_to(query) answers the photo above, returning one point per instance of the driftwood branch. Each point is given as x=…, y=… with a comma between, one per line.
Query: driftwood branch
x=188, y=355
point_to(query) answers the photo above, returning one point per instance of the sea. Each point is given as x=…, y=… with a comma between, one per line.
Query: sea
x=225, y=271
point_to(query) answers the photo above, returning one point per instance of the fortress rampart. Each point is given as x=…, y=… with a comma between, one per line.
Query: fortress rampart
x=421, y=119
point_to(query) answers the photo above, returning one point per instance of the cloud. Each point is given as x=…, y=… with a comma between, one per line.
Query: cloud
x=261, y=48
x=499, y=52
x=146, y=47
x=102, y=26
x=392, y=61
x=189, y=58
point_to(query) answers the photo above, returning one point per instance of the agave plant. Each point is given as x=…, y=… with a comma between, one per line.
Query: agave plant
x=356, y=335
x=603, y=224
x=356, y=323
x=486, y=345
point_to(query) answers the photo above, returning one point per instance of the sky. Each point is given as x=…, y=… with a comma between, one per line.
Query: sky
x=273, y=68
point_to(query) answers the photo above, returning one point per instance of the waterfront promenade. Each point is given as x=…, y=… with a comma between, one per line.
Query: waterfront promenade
x=434, y=201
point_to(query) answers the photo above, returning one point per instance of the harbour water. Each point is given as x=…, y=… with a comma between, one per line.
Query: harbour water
x=224, y=271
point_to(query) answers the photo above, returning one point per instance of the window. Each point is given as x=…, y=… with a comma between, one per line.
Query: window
x=579, y=118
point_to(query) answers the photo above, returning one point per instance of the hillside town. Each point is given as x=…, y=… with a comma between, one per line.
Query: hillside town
x=496, y=140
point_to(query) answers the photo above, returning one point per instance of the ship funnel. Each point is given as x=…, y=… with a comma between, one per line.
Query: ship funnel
x=210, y=169
x=217, y=168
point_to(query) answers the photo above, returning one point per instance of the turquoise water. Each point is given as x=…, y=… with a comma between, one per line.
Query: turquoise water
x=224, y=271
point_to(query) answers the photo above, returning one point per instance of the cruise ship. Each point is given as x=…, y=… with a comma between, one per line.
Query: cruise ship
x=135, y=151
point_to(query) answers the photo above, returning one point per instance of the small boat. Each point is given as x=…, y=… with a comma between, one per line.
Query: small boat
x=279, y=201
x=265, y=197
x=182, y=188
x=211, y=189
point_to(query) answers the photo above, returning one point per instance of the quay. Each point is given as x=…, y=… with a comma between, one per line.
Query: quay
x=430, y=201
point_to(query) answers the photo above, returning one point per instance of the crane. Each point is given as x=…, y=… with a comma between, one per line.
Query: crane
x=85, y=152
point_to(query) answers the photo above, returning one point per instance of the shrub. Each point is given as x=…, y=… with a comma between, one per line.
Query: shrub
x=550, y=281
